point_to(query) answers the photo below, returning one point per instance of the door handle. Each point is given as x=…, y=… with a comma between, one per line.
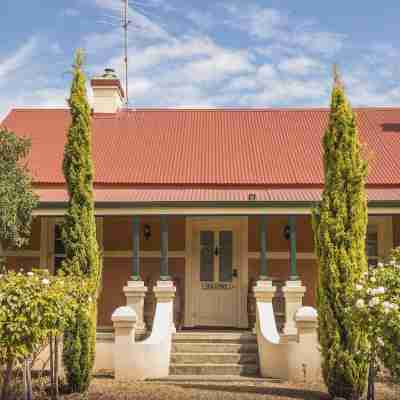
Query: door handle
x=235, y=273
x=216, y=251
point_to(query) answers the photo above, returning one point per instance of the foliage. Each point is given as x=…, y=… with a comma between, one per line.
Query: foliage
x=79, y=353
x=32, y=307
x=79, y=234
x=379, y=313
x=17, y=199
x=340, y=223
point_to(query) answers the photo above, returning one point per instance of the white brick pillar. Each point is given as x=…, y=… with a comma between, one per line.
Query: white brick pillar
x=124, y=321
x=164, y=292
x=293, y=293
x=306, y=362
x=264, y=292
x=135, y=292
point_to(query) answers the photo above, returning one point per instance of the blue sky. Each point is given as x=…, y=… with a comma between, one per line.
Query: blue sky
x=200, y=53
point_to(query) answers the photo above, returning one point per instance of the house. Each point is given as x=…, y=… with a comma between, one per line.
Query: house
x=212, y=200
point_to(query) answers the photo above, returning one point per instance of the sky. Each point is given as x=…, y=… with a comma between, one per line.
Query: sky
x=204, y=53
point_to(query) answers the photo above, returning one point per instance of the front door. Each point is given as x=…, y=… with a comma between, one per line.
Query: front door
x=216, y=273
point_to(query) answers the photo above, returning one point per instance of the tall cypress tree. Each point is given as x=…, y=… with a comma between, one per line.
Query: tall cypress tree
x=79, y=233
x=340, y=223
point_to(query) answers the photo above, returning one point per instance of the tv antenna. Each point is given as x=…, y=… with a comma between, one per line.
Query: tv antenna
x=139, y=6
x=125, y=25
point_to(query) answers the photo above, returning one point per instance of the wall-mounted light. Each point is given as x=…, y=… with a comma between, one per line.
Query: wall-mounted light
x=147, y=232
x=286, y=232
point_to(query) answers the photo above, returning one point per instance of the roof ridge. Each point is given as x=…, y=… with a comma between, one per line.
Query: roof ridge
x=266, y=109
x=208, y=109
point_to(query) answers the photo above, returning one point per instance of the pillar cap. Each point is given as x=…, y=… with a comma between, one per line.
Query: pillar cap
x=264, y=290
x=124, y=314
x=164, y=290
x=293, y=284
x=294, y=287
x=306, y=314
x=135, y=287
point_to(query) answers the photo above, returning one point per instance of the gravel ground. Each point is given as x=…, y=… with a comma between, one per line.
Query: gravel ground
x=108, y=389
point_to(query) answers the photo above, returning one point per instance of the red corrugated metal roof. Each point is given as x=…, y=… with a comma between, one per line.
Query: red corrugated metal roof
x=208, y=147
x=179, y=194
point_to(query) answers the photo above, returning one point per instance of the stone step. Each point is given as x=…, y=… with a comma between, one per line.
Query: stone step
x=235, y=348
x=214, y=358
x=214, y=369
x=214, y=337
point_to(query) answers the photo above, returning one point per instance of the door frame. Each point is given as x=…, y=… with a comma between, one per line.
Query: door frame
x=241, y=225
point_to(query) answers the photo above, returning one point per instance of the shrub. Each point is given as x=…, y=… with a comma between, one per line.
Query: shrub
x=378, y=305
x=33, y=306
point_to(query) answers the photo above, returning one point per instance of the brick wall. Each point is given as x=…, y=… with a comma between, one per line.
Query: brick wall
x=396, y=230
x=116, y=273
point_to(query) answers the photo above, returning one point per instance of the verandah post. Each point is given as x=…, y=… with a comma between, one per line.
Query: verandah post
x=293, y=290
x=263, y=249
x=136, y=249
x=293, y=249
x=135, y=290
x=164, y=276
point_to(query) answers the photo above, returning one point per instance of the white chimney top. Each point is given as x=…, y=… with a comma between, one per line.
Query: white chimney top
x=108, y=95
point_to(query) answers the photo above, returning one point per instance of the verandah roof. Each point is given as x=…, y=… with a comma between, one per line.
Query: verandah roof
x=115, y=195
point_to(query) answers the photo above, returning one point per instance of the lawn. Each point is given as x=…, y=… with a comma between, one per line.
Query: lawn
x=108, y=389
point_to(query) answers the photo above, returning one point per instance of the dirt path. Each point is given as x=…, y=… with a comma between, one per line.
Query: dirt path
x=107, y=389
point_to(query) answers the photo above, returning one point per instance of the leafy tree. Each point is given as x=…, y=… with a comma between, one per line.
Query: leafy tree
x=33, y=306
x=340, y=223
x=17, y=198
x=79, y=234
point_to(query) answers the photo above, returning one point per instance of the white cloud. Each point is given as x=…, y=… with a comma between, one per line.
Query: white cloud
x=217, y=66
x=140, y=24
x=327, y=43
x=263, y=23
x=242, y=83
x=40, y=97
x=286, y=31
x=140, y=87
x=15, y=61
x=266, y=71
x=285, y=91
x=300, y=66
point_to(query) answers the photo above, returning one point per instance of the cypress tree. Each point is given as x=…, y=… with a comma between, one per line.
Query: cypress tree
x=340, y=223
x=79, y=233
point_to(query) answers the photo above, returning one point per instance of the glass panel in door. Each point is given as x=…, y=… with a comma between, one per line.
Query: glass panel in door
x=207, y=256
x=225, y=256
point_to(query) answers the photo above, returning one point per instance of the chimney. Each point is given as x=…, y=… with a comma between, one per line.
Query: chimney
x=108, y=95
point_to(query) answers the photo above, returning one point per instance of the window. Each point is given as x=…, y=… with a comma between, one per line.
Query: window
x=59, y=248
x=372, y=245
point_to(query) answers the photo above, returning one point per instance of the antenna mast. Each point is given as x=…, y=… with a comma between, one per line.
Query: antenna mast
x=125, y=25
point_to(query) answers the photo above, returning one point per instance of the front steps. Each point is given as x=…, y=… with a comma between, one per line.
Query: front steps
x=214, y=353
